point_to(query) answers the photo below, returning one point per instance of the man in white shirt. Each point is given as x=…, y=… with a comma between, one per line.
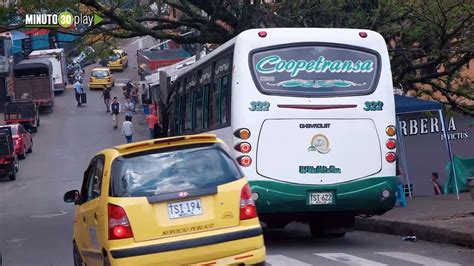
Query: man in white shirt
x=127, y=129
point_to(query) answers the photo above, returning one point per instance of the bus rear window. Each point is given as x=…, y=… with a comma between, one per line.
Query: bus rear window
x=315, y=70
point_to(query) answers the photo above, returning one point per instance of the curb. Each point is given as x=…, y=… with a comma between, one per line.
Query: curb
x=421, y=231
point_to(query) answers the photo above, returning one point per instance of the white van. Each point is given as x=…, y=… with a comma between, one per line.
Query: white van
x=58, y=60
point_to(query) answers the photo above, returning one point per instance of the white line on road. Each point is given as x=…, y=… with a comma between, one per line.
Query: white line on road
x=281, y=260
x=349, y=259
x=417, y=259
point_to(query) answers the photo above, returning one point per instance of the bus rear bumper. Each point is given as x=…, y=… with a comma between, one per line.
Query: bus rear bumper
x=364, y=196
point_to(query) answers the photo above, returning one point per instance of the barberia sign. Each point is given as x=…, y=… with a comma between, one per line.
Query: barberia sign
x=431, y=125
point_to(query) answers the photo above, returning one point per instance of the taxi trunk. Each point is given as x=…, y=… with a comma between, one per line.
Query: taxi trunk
x=183, y=213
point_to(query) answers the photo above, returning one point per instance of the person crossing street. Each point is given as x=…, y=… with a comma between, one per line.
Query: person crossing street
x=106, y=96
x=115, y=108
x=128, y=108
x=79, y=90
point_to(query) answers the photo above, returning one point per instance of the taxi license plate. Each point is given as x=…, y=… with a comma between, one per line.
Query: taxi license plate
x=184, y=209
x=320, y=198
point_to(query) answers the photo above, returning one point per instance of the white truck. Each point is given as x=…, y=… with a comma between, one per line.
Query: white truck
x=58, y=60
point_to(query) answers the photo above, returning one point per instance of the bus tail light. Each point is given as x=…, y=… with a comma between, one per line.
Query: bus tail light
x=119, y=226
x=390, y=130
x=390, y=157
x=391, y=144
x=242, y=133
x=244, y=161
x=243, y=147
x=248, y=210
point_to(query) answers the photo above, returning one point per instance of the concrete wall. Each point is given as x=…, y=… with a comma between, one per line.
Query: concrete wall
x=425, y=147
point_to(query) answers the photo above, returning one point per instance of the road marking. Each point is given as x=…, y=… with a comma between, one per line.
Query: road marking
x=281, y=260
x=349, y=259
x=48, y=215
x=417, y=259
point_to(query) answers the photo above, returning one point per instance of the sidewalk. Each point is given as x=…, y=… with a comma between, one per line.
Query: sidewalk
x=441, y=219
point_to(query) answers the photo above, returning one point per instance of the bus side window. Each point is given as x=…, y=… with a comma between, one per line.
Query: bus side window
x=198, y=108
x=225, y=100
x=206, y=106
x=216, y=102
x=188, y=112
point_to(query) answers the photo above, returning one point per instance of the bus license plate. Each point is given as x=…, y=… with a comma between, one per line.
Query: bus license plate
x=184, y=209
x=319, y=198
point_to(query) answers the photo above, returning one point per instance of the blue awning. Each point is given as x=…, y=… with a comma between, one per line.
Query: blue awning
x=18, y=35
x=405, y=105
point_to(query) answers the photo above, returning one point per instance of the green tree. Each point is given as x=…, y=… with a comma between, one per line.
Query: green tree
x=430, y=41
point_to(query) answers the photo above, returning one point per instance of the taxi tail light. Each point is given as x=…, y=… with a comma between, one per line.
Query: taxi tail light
x=108, y=78
x=90, y=79
x=120, y=61
x=248, y=210
x=119, y=226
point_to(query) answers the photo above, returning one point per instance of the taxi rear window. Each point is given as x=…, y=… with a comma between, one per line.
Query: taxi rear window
x=100, y=73
x=171, y=170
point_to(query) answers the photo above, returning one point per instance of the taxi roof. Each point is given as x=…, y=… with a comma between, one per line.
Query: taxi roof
x=101, y=68
x=165, y=142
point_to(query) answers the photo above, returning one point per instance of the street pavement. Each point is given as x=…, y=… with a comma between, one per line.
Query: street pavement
x=443, y=219
x=36, y=225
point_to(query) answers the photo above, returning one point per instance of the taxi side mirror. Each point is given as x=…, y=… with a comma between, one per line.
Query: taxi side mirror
x=71, y=196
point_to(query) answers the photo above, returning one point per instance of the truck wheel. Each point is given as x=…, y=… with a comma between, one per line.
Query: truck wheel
x=30, y=150
x=76, y=256
x=12, y=176
x=23, y=155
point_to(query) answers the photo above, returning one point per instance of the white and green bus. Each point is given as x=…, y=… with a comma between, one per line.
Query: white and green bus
x=309, y=114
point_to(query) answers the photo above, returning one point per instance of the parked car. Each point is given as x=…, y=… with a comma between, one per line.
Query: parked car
x=118, y=60
x=22, y=139
x=9, y=165
x=171, y=201
x=100, y=77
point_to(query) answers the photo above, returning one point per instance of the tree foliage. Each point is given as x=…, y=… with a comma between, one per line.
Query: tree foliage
x=430, y=41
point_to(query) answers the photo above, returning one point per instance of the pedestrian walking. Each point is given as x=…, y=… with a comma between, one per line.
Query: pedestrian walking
x=128, y=108
x=438, y=188
x=106, y=96
x=151, y=120
x=115, y=108
x=144, y=94
x=134, y=97
x=78, y=89
x=127, y=129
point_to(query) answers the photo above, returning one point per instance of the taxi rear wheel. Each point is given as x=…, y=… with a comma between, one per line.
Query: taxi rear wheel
x=106, y=261
x=76, y=256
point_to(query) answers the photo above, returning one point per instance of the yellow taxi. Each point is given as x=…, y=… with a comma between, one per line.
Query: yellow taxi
x=171, y=201
x=101, y=77
x=118, y=60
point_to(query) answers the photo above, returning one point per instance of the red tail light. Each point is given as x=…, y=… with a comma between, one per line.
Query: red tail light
x=90, y=80
x=247, y=205
x=119, y=226
x=244, y=161
x=243, y=147
x=391, y=144
x=390, y=157
x=262, y=34
x=120, y=61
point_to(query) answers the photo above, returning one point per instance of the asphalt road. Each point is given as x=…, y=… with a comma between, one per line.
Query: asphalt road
x=36, y=225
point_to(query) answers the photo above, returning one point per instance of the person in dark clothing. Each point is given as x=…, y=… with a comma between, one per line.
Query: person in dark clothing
x=115, y=108
x=106, y=96
x=438, y=188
